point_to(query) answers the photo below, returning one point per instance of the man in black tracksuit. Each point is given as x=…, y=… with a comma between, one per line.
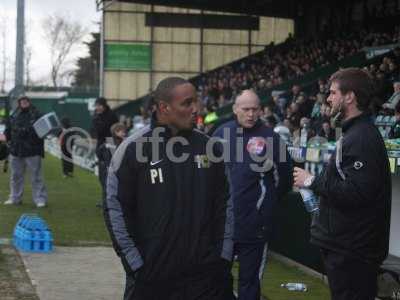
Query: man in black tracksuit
x=168, y=207
x=353, y=222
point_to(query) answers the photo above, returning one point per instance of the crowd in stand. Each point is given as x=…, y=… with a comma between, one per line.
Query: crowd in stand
x=300, y=107
x=277, y=64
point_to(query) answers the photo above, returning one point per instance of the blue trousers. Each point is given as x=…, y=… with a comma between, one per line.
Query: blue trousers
x=252, y=258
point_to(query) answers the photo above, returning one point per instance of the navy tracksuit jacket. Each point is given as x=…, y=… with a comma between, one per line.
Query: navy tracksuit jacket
x=259, y=172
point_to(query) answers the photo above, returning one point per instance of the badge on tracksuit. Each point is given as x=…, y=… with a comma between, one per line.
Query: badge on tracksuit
x=256, y=145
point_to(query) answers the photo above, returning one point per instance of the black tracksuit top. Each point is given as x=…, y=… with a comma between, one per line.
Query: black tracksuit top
x=168, y=219
x=355, y=194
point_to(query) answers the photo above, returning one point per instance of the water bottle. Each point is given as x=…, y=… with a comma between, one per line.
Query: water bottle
x=303, y=136
x=310, y=200
x=291, y=286
x=48, y=241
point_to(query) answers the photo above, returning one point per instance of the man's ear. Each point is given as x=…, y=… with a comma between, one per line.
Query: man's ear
x=350, y=97
x=234, y=108
x=163, y=107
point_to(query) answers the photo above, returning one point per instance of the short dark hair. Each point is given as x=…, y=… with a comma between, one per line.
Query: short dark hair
x=101, y=101
x=163, y=91
x=357, y=81
x=117, y=127
x=24, y=98
x=65, y=122
x=272, y=120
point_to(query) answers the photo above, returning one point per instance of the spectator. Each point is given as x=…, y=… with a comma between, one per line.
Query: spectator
x=327, y=132
x=269, y=115
x=305, y=105
x=271, y=122
x=316, y=110
x=258, y=178
x=295, y=92
x=26, y=150
x=66, y=144
x=294, y=115
x=394, y=99
x=394, y=132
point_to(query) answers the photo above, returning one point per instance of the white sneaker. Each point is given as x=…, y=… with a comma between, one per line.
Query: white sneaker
x=10, y=202
x=40, y=205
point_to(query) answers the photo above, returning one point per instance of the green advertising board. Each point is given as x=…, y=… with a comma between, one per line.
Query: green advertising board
x=128, y=57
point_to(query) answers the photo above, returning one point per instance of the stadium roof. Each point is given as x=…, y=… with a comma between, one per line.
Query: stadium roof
x=276, y=8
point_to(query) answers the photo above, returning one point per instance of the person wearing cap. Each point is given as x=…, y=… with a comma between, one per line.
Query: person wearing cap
x=102, y=121
x=26, y=151
x=353, y=221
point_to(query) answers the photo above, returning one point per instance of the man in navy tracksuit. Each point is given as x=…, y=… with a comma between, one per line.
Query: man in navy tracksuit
x=256, y=162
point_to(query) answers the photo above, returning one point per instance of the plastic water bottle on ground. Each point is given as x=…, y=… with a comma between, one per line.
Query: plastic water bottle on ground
x=293, y=286
x=310, y=200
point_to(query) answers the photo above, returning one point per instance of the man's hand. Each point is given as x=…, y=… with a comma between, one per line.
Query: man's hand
x=3, y=138
x=300, y=176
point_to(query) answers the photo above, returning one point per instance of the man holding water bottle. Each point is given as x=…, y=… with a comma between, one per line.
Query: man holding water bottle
x=352, y=224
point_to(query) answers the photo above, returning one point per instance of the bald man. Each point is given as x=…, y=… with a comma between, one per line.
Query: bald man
x=258, y=173
x=394, y=99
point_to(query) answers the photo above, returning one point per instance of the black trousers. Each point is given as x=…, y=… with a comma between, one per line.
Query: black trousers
x=350, y=278
x=67, y=165
x=103, y=179
x=211, y=285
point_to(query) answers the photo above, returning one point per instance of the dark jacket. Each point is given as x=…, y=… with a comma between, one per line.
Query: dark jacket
x=355, y=198
x=394, y=132
x=255, y=191
x=22, y=138
x=101, y=125
x=104, y=154
x=67, y=141
x=330, y=136
x=167, y=219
